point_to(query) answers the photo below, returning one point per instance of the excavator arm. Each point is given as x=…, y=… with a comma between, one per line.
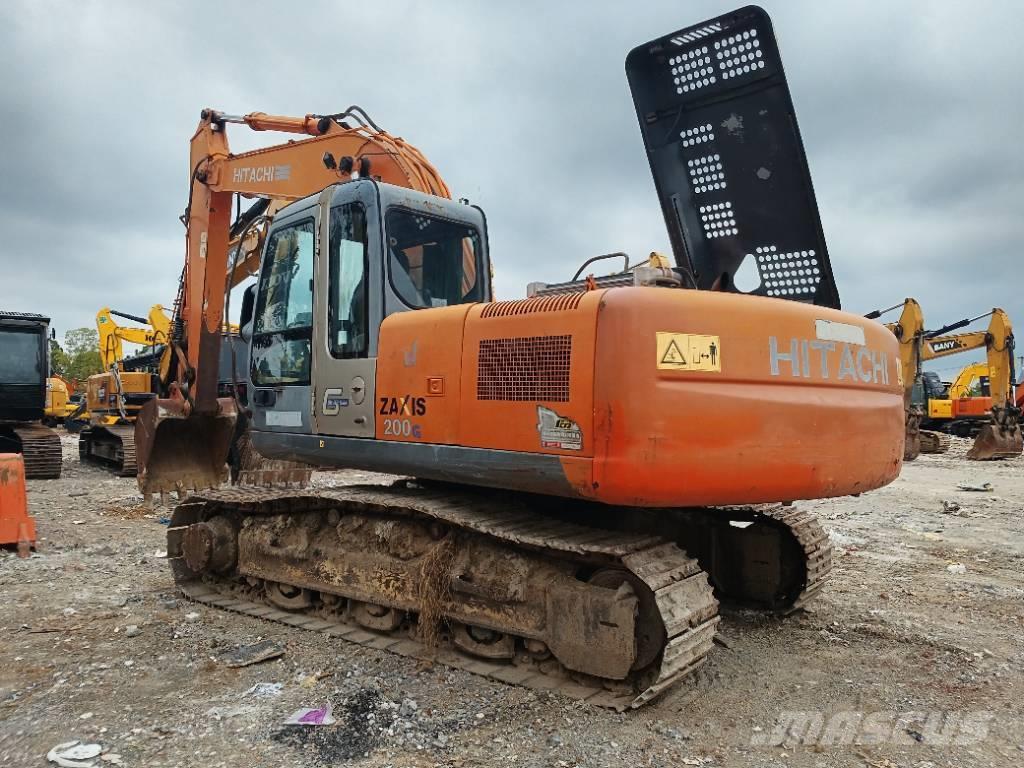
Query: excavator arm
x=1002, y=436
x=909, y=330
x=183, y=439
x=111, y=334
x=337, y=151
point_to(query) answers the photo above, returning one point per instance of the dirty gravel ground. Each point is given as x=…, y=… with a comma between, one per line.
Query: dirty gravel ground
x=900, y=629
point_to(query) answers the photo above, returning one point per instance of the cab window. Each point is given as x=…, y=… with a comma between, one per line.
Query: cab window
x=348, y=314
x=283, y=321
x=433, y=262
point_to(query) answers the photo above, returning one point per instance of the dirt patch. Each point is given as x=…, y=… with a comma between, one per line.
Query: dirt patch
x=130, y=512
x=357, y=732
x=95, y=644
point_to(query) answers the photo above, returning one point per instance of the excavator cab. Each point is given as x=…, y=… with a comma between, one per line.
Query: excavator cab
x=383, y=250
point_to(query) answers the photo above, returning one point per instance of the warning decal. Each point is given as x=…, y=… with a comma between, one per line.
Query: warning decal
x=689, y=352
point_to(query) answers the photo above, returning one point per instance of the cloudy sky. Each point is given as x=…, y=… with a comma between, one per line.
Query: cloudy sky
x=910, y=113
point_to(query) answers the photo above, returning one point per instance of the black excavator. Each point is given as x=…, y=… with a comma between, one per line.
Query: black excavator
x=24, y=367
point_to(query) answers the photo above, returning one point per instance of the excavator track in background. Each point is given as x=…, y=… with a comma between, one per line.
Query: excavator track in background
x=608, y=617
x=934, y=442
x=110, y=446
x=40, y=448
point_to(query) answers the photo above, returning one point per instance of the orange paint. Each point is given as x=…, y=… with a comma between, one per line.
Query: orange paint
x=15, y=523
x=971, y=407
x=415, y=349
x=742, y=435
x=825, y=420
x=505, y=344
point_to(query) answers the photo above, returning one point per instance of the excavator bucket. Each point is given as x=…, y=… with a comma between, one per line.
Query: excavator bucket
x=181, y=451
x=1000, y=438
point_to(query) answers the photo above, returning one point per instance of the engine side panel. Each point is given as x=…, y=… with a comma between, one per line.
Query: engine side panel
x=512, y=376
x=527, y=375
x=101, y=391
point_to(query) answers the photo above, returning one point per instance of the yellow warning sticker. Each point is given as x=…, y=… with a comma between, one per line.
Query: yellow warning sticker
x=689, y=352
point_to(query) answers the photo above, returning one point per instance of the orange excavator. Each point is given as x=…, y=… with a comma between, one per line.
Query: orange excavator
x=596, y=465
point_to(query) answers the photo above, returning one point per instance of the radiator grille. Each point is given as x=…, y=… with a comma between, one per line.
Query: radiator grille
x=528, y=306
x=527, y=368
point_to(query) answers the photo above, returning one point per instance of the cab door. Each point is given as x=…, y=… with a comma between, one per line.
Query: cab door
x=349, y=304
x=283, y=326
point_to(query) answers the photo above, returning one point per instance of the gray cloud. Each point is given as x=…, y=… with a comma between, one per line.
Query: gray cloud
x=910, y=115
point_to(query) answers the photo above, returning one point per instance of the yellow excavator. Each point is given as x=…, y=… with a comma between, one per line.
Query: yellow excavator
x=111, y=334
x=910, y=332
x=58, y=398
x=1001, y=436
x=114, y=397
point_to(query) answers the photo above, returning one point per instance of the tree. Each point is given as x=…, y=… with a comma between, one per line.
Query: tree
x=80, y=357
x=59, y=359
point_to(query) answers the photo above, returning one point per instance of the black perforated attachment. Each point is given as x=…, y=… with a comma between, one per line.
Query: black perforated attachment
x=727, y=159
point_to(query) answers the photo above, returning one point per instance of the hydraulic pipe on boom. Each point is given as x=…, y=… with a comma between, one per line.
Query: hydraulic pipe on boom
x=183, y=439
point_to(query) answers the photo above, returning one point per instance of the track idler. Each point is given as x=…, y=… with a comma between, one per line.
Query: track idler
x=1000, y=438
x=178, y=449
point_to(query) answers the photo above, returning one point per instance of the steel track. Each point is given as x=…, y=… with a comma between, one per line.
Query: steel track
x=681, y=592
x=121, y=437
x=41, y=451
x=934, y=442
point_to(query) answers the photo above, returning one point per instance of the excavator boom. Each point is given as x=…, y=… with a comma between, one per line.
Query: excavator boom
x=1001, y=437
x=183, y=439
x=909, y=330
x=112, y=334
